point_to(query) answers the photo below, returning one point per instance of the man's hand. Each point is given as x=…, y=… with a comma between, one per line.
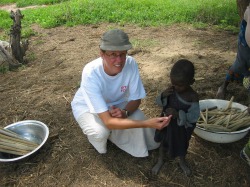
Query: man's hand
x=158, y=123
x=117, y=112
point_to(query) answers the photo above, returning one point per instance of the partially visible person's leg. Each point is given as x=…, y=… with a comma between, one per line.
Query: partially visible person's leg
x=221, y=93
x=230, y=77
x=184, y=166
x=95, y=130
x=235, y=72
x=160, y=161
x=245, y=152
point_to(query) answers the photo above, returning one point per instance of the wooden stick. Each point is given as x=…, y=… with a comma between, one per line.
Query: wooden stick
x=13, y=140
x=236, y=127
x=229, y=104
x=15, y=135
x=206, y=115
x=17, y=139
x=203, y=117
x=209, y=109
x=18, y=145
x=13, y=148
x=11, y=152
x=213, y=127
x=13, y=143
x=229, y=118
x=220, y=120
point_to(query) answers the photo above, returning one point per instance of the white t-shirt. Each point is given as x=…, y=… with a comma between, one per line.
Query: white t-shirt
x=98, y=91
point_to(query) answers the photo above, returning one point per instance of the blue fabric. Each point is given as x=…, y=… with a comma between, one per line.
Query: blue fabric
x=241, y=67
x=242, y=39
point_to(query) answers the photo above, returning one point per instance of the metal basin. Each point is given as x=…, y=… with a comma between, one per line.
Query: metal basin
x=35, y=131
x=220, y=137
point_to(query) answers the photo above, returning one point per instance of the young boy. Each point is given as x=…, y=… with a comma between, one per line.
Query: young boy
x=182, y=102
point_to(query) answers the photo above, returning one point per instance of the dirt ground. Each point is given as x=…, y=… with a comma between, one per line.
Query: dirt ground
x=43, y=89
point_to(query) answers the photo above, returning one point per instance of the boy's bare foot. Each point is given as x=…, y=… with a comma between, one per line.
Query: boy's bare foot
x=185, y=167
x=157, y=167
x=162, y=153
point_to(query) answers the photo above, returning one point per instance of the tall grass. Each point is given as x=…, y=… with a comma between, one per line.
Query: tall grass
x=3, y=2
x=23, y=3
x=222, y=13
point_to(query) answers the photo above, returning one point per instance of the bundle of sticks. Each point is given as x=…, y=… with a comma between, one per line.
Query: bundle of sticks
x=228, y=119
x=13, y=143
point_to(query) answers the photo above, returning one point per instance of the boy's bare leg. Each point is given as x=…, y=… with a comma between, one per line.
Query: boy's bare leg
x=160, y=162
x=184, y=166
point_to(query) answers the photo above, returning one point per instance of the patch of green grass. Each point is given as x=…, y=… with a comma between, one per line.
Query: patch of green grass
x=31, y=57
x=6, y=2
x=27, y=32
x=22, y=67
x=24, y=3
x=143, y=43
x=204, y=13
x=38, y=42
x=3, y=69
x=5, y=21
x=200, y=25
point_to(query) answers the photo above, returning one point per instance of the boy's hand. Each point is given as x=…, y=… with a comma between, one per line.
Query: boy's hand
x=171, y=111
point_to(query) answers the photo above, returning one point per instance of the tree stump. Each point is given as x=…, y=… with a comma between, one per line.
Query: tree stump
x=7, y=62
x=18, y=51
x=242, y=5
x=14, y=57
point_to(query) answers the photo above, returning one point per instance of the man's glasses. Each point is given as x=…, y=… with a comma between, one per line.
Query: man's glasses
x=114, y=55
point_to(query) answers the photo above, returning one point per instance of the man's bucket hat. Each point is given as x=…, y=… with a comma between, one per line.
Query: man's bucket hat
x=115, y=40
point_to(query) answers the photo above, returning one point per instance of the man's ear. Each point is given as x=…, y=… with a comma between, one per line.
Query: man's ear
x=101, y=53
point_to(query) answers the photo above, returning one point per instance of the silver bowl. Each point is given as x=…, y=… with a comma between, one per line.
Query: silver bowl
x=35, y=131
x=220, y=137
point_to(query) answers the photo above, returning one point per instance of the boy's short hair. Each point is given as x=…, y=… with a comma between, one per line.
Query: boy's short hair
x=184, y=70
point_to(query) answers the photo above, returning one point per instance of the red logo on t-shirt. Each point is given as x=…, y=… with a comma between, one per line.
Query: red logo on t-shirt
x=123, y=88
